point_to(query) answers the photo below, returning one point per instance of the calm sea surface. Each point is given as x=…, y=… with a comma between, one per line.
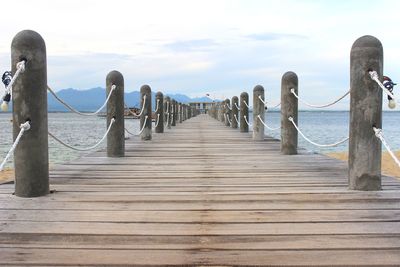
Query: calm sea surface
x=323, y=127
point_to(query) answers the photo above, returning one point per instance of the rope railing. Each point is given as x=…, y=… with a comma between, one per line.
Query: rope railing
x=311, y=142
x=228, y=106
x=141, y=111
x=374, y=76
x=262, y=100
x=379, y=135
x=245, y=103
x=227, y=118
x=157, y=104
x=275, y=106
x=236, y=119
x=24, y=127
x=9, y=81
x=319, y=106
x=158, y=120
x=245, y=119
x=113, y=87
x=141, y=130
x=272, y=129
x=88, y=148
x=237, y=106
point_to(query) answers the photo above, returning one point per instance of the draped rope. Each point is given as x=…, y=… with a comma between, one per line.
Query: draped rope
x=375, y=77
x=88, y=148
x=272, y=129
x=141, y=111
x=379, y=135
x=113, y=87
x=141, y=130
x=319, y=106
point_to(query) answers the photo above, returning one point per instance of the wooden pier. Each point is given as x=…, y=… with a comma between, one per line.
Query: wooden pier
x=202, y=194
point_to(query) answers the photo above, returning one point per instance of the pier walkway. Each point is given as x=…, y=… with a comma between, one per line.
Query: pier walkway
x=201, y=194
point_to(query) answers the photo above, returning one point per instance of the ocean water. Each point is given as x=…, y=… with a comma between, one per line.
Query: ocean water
x=323, y=127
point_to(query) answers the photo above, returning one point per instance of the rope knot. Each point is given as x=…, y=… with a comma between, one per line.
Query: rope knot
x=378, y=132
x=374, y=75
x=25, y=126
x=21, y=65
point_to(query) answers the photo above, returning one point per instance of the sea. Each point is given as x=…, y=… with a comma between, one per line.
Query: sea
x=323, y=127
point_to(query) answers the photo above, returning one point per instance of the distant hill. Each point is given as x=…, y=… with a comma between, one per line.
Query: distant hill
x=92, y=99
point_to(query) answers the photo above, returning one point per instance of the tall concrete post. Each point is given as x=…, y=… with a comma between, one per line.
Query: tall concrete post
x=29, y=95
x=235, y=112
x=365, y=113
x=168, y=111
x=244, y=112
x=258, y=112
x=174, y=113
x=289, y=108
x=159, y=113
x=115, y=109
x=145, y=118
x=180, y=112
x=228, y=118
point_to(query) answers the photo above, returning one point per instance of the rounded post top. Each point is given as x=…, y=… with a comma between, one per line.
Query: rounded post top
x=258, y=89
x=227, y=100
x=145, y=89
x=115, y=77
x=235, y=99
x=159, y=94
x=244, y=94
x=167, y=98
x=28, y=39
x=290, y=75
x=367, y=41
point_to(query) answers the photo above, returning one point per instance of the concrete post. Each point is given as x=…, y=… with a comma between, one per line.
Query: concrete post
x=168, y=111
x=235, y=112
x=180, y=112
x=29, y=95
x=365, y=113
x=258, y=110
x=244, y=112
x=174, y=112
x=289, y=108
x=115, y=109
x=159, y=113
x=228, y=118
x=145, y=90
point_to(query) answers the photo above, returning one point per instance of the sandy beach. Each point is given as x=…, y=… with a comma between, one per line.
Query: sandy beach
x=6, y=175
x=389, y=167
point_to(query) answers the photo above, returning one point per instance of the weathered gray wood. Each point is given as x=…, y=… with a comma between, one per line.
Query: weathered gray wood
x=174, y=112
x=235, y=112
x=365, y=113
x=115, y=110
x=227, y=112
x=258, y=113
x=145, y=118
x=289, y=109
x=29, y=94
x=244, y=112
x=159, y=113
x=158, y=207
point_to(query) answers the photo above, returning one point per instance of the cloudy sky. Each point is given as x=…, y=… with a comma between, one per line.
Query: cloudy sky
x=197, y=47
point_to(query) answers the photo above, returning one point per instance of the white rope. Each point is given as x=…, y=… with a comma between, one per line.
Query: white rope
x=245, y=103
x=140, y=132
x=88, y=148
x=113, y=87
x=277, y=105
x=375, y=77
x=141, y=111
x=379, y=134
x=234, y=115
x=228, y=106
x=158, y=119
x=237, y=106
x=227, y=118
x=157, y=104
x=24, y=127
x=319, y=106
x=311, y=142
x=272, y=129
x=245, y=119
x=264, y=102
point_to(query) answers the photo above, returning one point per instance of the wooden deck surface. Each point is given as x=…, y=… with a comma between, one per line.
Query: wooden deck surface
x=202, y=194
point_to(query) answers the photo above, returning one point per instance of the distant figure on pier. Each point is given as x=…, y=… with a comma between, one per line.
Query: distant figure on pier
x=389, y=84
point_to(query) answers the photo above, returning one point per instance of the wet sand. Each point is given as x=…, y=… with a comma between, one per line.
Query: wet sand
x=389, y=167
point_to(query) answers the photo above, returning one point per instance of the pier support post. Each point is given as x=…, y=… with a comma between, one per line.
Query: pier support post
x=289, y=108
x=189, y=112
x=365, y=113
x=115, y=109
x=235, y=112
x=227, y=113
x=244, y=112
x=168, y=111
x=180, y=112
x=258, y=110
x=145, y=90
x=159, y=128
x=174, y=112
x=29, y=95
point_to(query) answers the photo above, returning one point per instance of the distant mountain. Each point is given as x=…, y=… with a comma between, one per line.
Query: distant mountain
x=92, y=99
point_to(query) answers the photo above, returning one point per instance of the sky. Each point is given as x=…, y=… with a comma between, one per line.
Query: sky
x=218, y=47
